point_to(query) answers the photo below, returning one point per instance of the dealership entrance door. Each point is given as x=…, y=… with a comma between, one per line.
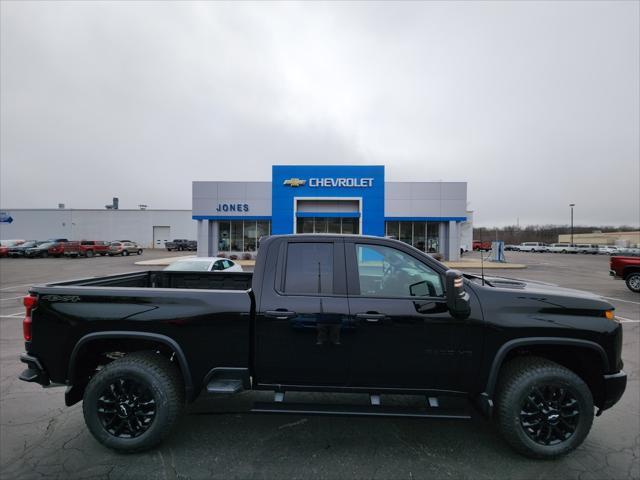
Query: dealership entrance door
x=161, y=235
x=328, y=215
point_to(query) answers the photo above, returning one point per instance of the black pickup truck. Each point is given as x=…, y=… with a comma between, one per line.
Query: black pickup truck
x=181, y=244
x=367, y=316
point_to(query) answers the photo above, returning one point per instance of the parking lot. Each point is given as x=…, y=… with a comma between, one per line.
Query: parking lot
x=40, y=437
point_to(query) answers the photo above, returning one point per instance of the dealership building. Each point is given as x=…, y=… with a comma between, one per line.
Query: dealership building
x=232, y=216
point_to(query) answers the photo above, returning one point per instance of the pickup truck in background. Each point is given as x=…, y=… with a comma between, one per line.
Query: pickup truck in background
x=482, y=246
x=328, y=313
x=628, y=269
x=181, y=244
x=86, y=248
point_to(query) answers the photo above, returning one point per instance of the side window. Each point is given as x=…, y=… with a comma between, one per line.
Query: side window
x=387, y=272
x=227, y=264
x=217, y=265
x=309, y=268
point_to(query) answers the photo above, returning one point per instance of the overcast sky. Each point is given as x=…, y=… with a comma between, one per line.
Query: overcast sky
x=535, y=105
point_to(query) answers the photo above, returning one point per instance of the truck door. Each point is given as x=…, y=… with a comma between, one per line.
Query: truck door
x=302, y=332
x=404, y=334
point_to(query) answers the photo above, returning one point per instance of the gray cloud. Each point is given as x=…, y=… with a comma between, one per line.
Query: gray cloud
x=536, y=105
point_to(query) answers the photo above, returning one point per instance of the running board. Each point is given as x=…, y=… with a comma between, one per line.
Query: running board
x=357, y=410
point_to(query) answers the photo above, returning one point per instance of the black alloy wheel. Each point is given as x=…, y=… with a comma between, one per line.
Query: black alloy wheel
x=132, y=403
x=544, y=410
x=550, y=414
x=126, y=408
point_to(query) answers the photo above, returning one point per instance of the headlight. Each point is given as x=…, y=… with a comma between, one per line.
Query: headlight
x=609, y=315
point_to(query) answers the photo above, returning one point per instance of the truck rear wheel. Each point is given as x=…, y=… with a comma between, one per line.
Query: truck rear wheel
x=133, y=402
x=544, y=409
x=88, y=253
x=633, y=281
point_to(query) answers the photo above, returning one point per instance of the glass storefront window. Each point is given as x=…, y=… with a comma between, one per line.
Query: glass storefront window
x=224, y=237
x=237, y=240
x=433, y=237
x=406, y=232
x=350, y=225
x=393, y=230
x=250, y=238
x=424, y=236
x=334, y=225
x=346, y=225
x=419, y=237
x=263, y=229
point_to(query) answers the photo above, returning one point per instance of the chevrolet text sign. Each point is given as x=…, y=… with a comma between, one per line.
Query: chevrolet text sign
x=341, y=182
x=331, y=182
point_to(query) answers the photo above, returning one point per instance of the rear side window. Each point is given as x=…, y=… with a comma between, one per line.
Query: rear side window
x=309, y=268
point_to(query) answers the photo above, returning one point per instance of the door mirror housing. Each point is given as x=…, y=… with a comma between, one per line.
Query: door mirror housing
x=457, y=297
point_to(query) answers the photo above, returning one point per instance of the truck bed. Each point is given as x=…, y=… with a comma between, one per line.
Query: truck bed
x=166, y=279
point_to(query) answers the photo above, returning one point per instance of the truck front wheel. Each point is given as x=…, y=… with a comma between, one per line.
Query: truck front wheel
x=133, y=402
x=544, y=409
x=633, y=282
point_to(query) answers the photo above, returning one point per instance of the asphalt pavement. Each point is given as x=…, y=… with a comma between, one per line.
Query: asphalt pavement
x=41, y=438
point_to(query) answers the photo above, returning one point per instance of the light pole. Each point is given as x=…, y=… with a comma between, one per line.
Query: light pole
x=572, y=205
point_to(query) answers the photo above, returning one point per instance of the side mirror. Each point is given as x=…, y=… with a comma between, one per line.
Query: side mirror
x=457, y=297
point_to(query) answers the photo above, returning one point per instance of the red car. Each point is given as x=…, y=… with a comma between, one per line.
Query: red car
x=627, y=268
x=86, y=248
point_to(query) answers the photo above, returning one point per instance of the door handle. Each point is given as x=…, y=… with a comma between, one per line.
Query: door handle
x=280, y=314
x=372, y=317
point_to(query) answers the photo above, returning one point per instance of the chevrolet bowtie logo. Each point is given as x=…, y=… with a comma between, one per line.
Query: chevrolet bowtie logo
x=295, y=182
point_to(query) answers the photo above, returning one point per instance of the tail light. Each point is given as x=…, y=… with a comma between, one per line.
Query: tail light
x=30, y=302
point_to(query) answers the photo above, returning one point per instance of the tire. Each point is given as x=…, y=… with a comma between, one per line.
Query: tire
x=168, y=249
x=633, y=281
x=125, y=253
x=146, y=376
x=88, y=253
x=523, y=379
x=45, y=254
x=139, y=252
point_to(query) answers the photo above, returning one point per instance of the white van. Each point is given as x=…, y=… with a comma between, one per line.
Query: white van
x=587, y=248
x=533, y=247
x=563, y=248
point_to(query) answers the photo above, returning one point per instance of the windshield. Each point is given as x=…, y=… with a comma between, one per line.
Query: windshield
x=46, y=245
x=28, y=244
x=189, y=266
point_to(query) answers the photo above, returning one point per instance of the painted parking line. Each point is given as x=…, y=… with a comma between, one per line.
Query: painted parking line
x=11, y=298
x=13, y=315
x=15, y=286
x=621, y=300
x=626, y=320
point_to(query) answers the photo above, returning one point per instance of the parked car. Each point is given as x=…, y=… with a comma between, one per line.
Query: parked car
x=46, y=249
x=124, y=248
x=87, y=248
x=510, y=248
x=181, y=244
x=628, y=269
x=587, y=248
x=330, y=313
x=204, y=264
x=483, y=246
x=607, y=250
x=5, y=245
x=533, y=247
x=563, y=248
x=19, y=250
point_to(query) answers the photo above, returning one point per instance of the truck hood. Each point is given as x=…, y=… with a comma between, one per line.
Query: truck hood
x=550, y=293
